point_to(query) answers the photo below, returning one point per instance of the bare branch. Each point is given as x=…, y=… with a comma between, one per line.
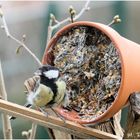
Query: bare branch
x=72, y=13
x=7, y=130
x=19, y=47
x=5, y=27
x=85, y=8
x=50, y=30
x=117, y=125
x=53, y=19
x=52, y=16
x=30, y=134
x=27, y=49
x=33, y=131
x=25, y=134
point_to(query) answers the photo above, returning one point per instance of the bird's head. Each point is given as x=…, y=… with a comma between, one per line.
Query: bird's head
x=48, y=71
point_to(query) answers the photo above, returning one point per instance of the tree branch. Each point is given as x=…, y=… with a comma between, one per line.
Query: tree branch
x=85, y=8
x=49, y=30
x=30, y=134
x=117, y=125
x=53, y=122
x=132, y=129
x=59, y=23
x=33, y=131
x=7, y=130
x=5, y=27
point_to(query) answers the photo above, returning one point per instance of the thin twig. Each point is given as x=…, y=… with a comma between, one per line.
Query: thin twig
x=25, y=134
x=85, y=8
x=53, y=19
x=50, y=30
x=19, y=47
x=72, y=13
x=33, y=131
x=7, y=130
x=117, y=125
x=5, y=27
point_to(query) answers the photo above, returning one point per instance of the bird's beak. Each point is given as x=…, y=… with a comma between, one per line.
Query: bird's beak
x=38, y=73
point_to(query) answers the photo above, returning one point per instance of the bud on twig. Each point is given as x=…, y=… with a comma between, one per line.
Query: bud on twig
x=24, y=133
x=116, y=19
x=70, y=8
x=72, y=13
x=2, y=27
x=23, y=37
x=19, y=47
x=52, y=16
x=88, y=8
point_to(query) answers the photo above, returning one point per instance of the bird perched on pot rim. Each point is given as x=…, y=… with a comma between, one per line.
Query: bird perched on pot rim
x=47, y=89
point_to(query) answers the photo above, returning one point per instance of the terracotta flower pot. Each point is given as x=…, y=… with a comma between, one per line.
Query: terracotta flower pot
x=130, y=63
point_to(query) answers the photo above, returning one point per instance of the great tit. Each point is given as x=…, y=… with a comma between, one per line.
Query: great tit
x=48, y=90
x=44, y=96
x=50, y=86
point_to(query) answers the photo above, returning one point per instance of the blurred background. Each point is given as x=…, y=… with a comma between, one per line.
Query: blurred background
x=31, y=18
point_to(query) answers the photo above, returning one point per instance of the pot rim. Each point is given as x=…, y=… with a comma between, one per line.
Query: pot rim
x=103, y=28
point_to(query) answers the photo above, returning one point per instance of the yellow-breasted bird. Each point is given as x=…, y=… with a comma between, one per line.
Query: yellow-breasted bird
x=48, y=89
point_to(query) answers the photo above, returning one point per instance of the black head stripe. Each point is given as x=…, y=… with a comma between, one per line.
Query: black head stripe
x=47, y=68
x=49, y=83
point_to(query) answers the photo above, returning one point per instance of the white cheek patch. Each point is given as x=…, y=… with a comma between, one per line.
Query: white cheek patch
x=52, y=74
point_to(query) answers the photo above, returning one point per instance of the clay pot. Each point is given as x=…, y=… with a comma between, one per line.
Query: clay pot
x=130, y=63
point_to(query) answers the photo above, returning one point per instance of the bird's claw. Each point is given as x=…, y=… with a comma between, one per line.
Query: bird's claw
x=62, y=118
x=58, y=115
x=44, y=112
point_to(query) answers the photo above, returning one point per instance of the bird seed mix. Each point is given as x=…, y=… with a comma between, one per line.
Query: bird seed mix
x=91, y=67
